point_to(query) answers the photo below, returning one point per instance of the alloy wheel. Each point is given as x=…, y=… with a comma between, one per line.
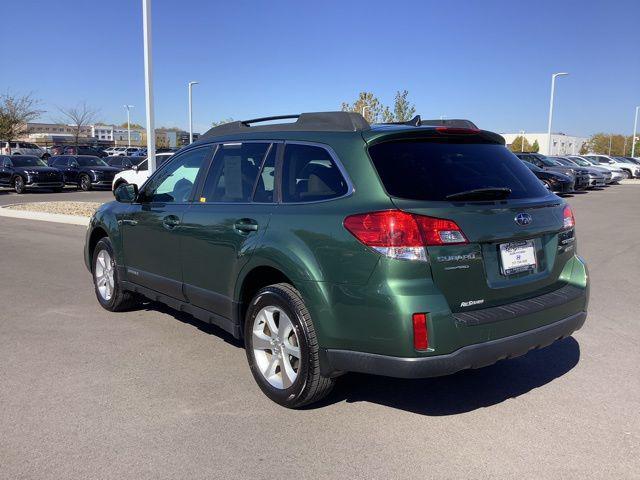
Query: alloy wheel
x=276, y=347
x=104, y=275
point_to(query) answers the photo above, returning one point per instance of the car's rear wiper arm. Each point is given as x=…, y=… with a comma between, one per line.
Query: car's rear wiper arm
x=492, y=193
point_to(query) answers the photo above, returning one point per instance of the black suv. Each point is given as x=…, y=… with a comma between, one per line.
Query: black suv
x=84, y=171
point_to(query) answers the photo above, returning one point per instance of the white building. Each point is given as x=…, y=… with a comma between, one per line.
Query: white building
x=561, y=144
x=102, y=132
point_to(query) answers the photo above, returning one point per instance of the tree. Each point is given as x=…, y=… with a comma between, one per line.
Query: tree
x=366, y=105
x=15, y=112
x=535, y=147
x=78, y=117
x=134, y=126
x=516, y=145
x=607, y=144
x=403, y=110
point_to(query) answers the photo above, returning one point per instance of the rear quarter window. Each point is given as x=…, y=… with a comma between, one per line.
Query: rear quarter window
x=432, y=170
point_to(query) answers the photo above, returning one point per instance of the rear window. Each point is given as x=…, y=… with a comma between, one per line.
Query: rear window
x=428, y=170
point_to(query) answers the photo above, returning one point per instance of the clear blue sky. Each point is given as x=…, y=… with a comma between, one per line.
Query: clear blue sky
x=489, y=61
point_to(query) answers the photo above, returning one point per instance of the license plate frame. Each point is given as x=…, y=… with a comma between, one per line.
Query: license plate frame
x=517, y=257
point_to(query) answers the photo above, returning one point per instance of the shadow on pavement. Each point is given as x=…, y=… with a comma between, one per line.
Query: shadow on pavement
x=465, y=391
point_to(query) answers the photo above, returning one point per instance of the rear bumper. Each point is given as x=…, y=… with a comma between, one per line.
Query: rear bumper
x=471, y=356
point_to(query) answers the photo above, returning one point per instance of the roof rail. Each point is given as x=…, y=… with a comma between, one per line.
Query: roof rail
x=310, y=122
x=449, y=122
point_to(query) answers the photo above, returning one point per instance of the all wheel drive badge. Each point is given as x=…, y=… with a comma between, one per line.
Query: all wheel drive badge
x=523, y=219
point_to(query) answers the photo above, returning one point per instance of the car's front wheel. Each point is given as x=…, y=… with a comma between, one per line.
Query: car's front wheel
x=105, y=279
x=282, y=347
x=18, y=185
x=85, y=183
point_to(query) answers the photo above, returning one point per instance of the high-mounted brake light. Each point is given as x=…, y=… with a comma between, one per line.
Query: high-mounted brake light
x=568, y=219
x=403, y=235
x=458, y=130
x=420, y=334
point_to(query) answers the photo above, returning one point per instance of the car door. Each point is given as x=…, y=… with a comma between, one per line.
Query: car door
x=6, y=171
x=224, y=225
x=152, y=230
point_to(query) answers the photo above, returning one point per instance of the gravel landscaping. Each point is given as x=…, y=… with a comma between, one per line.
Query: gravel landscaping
x=80, y=209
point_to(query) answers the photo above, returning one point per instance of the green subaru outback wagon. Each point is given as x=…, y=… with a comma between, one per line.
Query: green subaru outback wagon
x=329, y=245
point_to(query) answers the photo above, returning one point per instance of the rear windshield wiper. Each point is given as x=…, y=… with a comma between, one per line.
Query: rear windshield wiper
x=481, y=194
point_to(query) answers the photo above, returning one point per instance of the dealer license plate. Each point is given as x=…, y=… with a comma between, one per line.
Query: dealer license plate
x=517, y=257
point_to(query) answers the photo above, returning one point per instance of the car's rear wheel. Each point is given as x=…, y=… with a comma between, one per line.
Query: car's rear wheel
x=282, y=347
x=106, y=282
x=85, y=183
x=18, y=185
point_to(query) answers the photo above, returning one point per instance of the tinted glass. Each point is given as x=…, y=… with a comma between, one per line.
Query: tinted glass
x=233, y=172
x=424, y=170
x=19, y=161
x=115, y=162
x=174, y=182
x=265, y=185
x=59, y=162
x=90, y=162
x=310, y=174
x=532, y=167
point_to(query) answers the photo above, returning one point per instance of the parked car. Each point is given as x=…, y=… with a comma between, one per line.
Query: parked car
x=84, y=171
x=609, y=176
x=631, y=159
x=330, y=245
x=629, y=168
x=83, y=150
x=556, y=182
x=122, y=163
x=139, y=173
x=142, y=152
x=23, y=172
x=632, y=164
x=124, y=151
x=580, y=175
x=596, y=177
x=21, y=148
x=617, y=172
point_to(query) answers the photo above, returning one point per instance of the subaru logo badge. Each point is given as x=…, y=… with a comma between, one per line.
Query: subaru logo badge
x=523, y=219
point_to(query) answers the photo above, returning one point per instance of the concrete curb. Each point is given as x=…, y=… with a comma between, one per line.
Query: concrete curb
x=44, y=217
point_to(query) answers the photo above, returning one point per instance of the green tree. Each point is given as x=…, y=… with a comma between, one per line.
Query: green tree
x=516, y=145
x=608, y=144
x=15, y=112
x=222, y=122
x=403, y=110
x=366, y=105
x=535, y=147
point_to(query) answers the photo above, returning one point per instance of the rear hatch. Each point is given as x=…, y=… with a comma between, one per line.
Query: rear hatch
x=515, y=242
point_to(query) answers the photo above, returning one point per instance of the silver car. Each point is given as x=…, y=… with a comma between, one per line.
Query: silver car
x=616, y=173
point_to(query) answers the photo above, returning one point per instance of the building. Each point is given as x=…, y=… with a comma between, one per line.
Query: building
x=102, y=132
x=561, y=144
x=121, y=137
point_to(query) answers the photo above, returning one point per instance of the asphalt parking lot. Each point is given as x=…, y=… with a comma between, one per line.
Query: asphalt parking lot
x=155, y=394
x=68, y=194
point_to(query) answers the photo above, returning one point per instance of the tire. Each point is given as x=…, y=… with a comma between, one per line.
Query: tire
x=19, y=185
x=106, y=282
x=84, y=183
x=275, y=305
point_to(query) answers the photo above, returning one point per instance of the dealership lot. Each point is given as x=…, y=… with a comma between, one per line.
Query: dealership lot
x=156, y=394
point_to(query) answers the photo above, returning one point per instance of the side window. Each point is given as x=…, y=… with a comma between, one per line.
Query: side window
x=265, y=184
x=60, y=162
x=233, y=172
x=115, y=162
x=310, y=174
x=6, y=162
x=174, y=182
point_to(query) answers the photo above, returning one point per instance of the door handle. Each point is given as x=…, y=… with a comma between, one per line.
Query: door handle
x=246, y=225
x=126, y=221
x=170, y=222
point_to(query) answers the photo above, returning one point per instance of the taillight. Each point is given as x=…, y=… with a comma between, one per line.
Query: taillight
x=420, y=335
x=402, y=235
x=568, y=220
x=458, y=130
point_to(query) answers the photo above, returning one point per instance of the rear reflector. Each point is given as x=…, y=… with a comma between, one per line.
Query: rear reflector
x=403, y=235
x=420, y=336
x=568, y=220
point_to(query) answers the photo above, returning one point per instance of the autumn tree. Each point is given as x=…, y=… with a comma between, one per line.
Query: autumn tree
x=134, y=126
x=516, y=145
x=608, y=144
x=78, y=117
x=15, y=112
x=366, y=105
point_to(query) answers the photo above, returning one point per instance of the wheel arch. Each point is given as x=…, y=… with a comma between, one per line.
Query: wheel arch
x=97, y=234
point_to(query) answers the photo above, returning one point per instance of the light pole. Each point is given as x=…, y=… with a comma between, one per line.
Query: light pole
x=635, y=127
x=610, y=139
x=128, y=107
x=148, y=86
x=553, y=88
x=364, y=110
x=191, y=84
x=522, y=141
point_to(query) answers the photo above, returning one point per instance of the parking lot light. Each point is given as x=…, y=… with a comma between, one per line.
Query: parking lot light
x=635, y=129
x=148, y=86
x=128, y=107
x=553, y=87
x=191, y=84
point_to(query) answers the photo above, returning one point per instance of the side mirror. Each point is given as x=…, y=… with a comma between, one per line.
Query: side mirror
x=126, y=193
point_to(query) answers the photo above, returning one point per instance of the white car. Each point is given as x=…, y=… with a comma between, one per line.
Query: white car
x=21, y=148
x=139, y=173
x=631, y=169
